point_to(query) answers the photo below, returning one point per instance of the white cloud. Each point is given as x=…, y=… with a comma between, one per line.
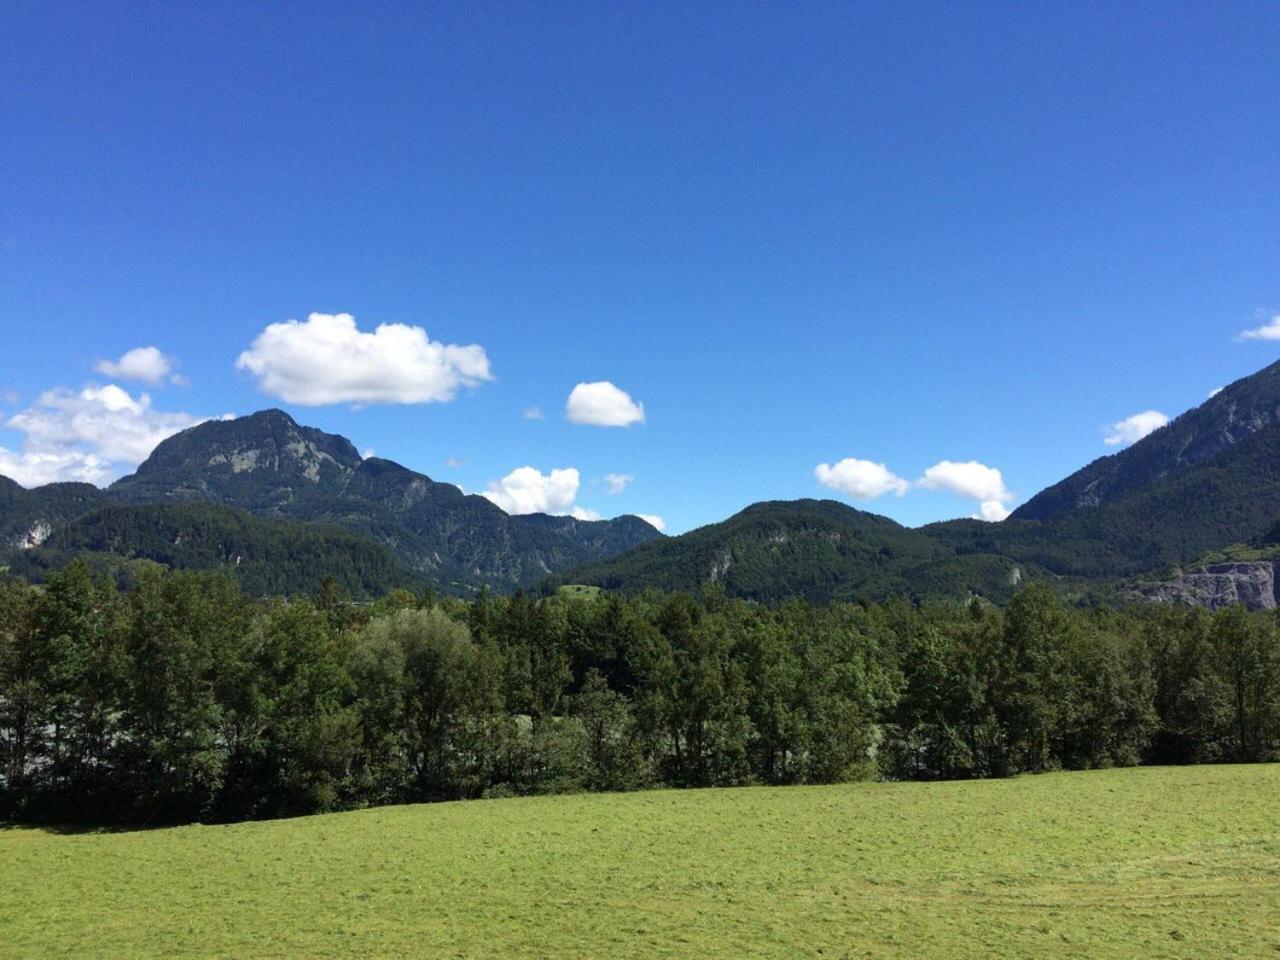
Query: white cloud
x=974, y=480
x=582, y=513
x=143, y=364
x=1267, y=331
x=1134, y=428
x=968, y=479
x=654, y=521
x=92, y=435
x=992, y=511
x=368, y=452
x=328, y=359
x=1215, y=391
x=860, y=479
x=453, y=462
x=603, y=405
x=617, y=482
x=528, y=490
x=532, y=413
x=35, y=468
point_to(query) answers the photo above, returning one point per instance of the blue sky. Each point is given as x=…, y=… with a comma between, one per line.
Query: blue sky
x=896, y=234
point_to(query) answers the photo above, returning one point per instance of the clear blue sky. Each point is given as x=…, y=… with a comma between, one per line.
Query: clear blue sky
x=796, y=233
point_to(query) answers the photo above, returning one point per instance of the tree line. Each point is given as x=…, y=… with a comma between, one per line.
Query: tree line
x=184, y=699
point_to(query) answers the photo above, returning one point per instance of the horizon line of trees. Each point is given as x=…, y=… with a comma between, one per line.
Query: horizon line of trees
x=183, y=699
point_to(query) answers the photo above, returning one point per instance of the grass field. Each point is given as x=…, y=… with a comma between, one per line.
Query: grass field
x=1123, y=863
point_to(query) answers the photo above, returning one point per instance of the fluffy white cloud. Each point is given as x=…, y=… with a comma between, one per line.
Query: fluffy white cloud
x=144, y=364
x=328, y=359
x=974, y=480
x=860, y=479
x=1267, y=331
x=654, y=521
x=603, y=405
x=968, y=479
x=92, y=435
x=1215, y=391
x=617, y=482
x=529, y=490
x=1134, y=428
x=993, y=511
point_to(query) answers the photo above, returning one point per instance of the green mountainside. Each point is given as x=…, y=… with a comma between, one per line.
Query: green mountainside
x=268, y=466
x=270, y=557
x=1205, y=433
x=817, y=549
x=1209, y=479
x=28, y=517
x=1206, y=481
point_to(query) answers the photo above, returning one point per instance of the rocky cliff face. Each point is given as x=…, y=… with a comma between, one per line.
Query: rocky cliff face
x=1252, y=583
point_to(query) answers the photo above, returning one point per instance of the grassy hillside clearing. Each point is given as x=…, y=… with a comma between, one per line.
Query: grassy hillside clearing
x=1152, y=862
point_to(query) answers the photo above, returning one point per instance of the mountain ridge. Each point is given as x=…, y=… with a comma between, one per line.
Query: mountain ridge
x=269, y=466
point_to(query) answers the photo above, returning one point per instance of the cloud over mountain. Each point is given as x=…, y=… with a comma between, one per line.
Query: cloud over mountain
x=860, y=479
x=91, y=435
x=974, y=480
x=1134, y=428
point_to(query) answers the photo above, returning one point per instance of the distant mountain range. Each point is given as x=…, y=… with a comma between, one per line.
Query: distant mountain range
x=310, y=485
x=1209, y=479
x=283, y=504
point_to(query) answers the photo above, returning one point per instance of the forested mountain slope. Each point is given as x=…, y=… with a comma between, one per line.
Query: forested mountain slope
x=269, y=466
x=1205, y=433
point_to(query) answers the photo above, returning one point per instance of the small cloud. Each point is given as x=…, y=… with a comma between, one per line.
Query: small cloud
x=532, y=413
x=453, y=463
x=328, y=359
x=860, y=479
x=1215, y=391
x=617, y=482
x=993, y=511
x=654, y=521
x=974, y=480
x=1269, y=330
x=142, y=364
x=368, y=452
x=529, y=490
x=582, y=513
x=968, y=479
x=1132, y=429
x=11, y=396
x=602, y=404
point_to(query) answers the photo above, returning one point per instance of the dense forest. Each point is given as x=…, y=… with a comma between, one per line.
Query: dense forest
x=184, y=699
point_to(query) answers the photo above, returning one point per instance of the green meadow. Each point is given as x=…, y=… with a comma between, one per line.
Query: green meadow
x=1150, y=862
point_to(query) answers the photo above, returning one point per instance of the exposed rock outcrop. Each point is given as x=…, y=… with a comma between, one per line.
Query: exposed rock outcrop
x=1252, y=583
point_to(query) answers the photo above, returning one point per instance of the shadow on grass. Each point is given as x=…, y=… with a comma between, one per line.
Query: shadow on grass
x=72, y=828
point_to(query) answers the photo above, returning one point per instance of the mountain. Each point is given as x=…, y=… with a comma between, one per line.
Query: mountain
x=270, y=467
x=1206, y=433
x=818, y=549
x=1209, y=479
x=269, y=556
x=29, y=517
